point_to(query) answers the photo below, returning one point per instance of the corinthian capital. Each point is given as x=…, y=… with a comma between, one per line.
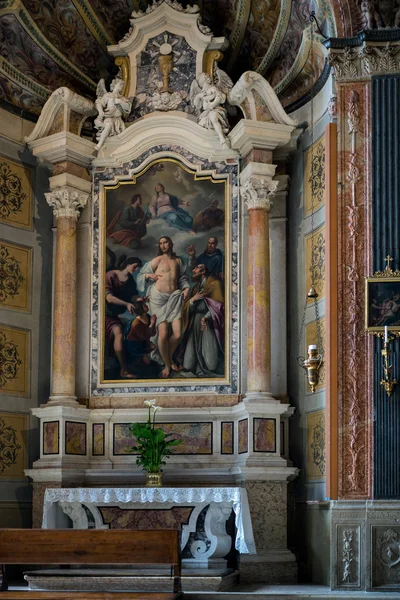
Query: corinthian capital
x=258, y=193
x=67, y=202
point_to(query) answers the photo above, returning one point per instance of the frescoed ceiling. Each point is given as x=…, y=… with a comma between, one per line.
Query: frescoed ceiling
x=46, y=44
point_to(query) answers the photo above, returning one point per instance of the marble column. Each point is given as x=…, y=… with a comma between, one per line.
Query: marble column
x=66, y=203
x=257, y=195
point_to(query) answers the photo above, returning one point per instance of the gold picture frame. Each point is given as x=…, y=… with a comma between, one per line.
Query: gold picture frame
x=382, y=300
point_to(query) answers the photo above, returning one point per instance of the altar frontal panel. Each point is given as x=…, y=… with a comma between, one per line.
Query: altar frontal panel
x=166, y=278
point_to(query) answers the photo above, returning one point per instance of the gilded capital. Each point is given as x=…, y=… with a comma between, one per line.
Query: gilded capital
x=66, y=202
x=258, y=194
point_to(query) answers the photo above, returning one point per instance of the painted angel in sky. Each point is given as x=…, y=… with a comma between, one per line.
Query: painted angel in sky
x=208, y=100
x=112, y=108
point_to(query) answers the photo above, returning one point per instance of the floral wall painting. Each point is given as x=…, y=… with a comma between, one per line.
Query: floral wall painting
x=13, y=445
x=15, y=194
x=315, y=261
x=166, y=246
x=316, y=463
x=15, y=276
x=14, y=361
x=314, y=176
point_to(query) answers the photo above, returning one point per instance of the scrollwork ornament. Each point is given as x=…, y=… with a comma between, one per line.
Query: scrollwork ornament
x=389, y=548
x=347, y=554
x=9, y=446
x=258, y=194
x=66, y=203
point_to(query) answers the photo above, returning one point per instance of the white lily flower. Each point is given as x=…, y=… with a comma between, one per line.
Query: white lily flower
x=156, y=408
x=150, y=402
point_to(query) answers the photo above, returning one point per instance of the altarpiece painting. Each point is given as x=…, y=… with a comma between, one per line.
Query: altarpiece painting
x=165, y=242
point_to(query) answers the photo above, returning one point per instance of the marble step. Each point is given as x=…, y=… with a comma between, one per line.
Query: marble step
x=157, y=580
x=290, y=592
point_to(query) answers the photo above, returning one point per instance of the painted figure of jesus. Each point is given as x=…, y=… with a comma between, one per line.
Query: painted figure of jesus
x=165, y=282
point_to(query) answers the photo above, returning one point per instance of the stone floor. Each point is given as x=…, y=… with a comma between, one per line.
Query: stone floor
x=279, y=592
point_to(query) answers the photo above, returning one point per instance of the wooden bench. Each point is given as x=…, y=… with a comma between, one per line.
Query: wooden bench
x=91, y=547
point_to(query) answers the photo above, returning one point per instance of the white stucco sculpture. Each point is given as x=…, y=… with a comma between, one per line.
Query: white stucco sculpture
x=208, y=100
x=112, y=108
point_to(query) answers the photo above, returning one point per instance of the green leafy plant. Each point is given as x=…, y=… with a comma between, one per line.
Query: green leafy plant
x=152, y=445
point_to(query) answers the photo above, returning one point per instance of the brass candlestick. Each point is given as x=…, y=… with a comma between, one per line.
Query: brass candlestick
x=387, y=381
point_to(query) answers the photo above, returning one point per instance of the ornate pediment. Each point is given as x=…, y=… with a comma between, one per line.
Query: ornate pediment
x=164, y=51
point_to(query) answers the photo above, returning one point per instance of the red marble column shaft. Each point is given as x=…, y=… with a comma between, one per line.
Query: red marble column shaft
x=259, y=315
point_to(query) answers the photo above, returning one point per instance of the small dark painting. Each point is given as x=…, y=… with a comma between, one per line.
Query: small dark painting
x=382, y=304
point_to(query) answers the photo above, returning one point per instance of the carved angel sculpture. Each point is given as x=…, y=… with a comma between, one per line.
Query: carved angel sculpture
x=112, y=107
x=208, y=100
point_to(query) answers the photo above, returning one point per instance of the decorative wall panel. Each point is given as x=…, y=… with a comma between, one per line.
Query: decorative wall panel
x=75, y=438
x=15, y=361
x=314, y=180
x=227, y=437
x=312, y=338
x=13, y=445
x=353, y=264
x=51, y=437
x=315, y=256
x=196, y=437
x=243, y=436
x=264, y=434
x=316, y=450
x=15, y=276
x=98, y=441
x=15, y=194
x=120, y=518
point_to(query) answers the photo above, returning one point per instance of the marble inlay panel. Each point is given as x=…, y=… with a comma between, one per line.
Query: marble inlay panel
x=51, y=437
x=243, y=436
x=196, y=437
x=98, y=439
x=75, y=438
x=121, y=518
x=13, y=445
x=227, y=437
x=264, y=432
x=316, y=451
x=267, y=500
x=15, y=194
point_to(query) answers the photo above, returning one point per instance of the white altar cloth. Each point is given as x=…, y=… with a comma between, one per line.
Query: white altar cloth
x=236, y=496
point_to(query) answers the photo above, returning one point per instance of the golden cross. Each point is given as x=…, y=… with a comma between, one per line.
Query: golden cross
x=388, y=260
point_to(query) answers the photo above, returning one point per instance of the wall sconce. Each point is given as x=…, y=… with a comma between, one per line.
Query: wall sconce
x=387, y=382
x=312, y=365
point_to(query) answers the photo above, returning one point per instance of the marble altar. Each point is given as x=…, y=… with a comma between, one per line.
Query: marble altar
x=204, y=534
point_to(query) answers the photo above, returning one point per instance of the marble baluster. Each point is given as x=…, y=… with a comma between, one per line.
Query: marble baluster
x=66, y=203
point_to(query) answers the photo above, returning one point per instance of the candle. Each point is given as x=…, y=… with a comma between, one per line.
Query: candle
x=386, y=334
